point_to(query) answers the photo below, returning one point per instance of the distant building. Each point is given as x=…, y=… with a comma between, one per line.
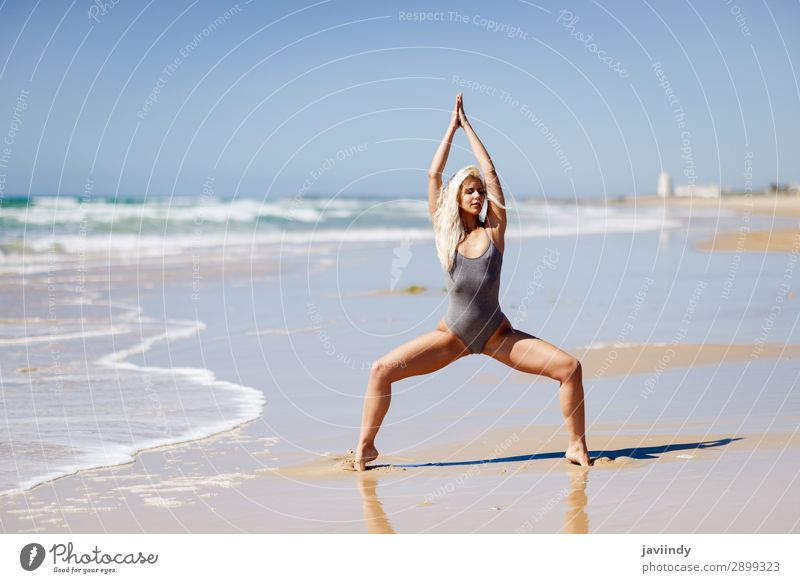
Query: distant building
x=666, y=190
x=664, y=185
x=699, y=190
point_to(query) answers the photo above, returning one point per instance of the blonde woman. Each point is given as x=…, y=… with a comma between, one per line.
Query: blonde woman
x=471, y=255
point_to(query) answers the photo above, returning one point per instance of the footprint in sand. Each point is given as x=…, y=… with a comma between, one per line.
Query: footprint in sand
x=603, y=461
x=598, y=461
x=617, y=462
x=347, y=462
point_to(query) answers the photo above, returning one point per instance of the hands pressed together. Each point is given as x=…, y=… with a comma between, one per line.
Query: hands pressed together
x=459, y=118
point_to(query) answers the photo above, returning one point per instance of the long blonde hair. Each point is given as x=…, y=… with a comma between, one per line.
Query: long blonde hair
x=447, y=224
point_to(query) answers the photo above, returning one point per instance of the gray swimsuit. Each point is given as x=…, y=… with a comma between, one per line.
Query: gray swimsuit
x=473, y=286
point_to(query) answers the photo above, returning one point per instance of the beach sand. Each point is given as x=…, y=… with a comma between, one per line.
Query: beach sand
x=660, y=477
x=691, y=403
x=511, y=480
x=776, y=241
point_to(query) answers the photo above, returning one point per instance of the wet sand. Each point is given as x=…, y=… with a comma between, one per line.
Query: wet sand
x=508, y=478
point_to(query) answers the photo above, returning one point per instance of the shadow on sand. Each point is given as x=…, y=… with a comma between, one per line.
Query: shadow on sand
x=639, y=453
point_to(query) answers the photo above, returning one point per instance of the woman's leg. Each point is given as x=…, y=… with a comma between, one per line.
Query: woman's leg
x=528, y=353
x=422, y=355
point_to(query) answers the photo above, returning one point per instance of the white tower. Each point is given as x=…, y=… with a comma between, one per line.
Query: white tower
x=664, y=185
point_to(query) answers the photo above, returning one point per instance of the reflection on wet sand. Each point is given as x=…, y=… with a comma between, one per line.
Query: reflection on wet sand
x=374, y=516
x=576, y=521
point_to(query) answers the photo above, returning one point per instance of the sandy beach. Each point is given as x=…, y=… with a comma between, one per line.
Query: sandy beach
x=743, y=239
x=690, y=355
x=509, y=480
x=777, y=241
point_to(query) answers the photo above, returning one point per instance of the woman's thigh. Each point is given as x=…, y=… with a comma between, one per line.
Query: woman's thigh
x=421, y=355
x=527, y=353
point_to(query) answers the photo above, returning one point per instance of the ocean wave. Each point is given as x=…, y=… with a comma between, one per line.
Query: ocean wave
x=189, y=225
x=102, y=412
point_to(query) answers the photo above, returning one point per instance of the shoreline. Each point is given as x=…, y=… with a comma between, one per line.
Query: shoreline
x=116, y=343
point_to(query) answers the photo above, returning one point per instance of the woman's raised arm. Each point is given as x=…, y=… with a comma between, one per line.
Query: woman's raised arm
x=439, y=161
x=495, y=214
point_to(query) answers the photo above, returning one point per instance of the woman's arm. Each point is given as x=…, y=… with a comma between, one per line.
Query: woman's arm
x=439, y=161
x=495, y=215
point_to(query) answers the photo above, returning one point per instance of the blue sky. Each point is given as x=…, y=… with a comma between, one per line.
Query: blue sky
x=281, y=98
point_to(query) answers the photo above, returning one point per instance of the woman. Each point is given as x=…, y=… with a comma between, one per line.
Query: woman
x=471, y=254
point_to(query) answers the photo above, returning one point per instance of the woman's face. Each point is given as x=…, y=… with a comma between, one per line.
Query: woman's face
x=472, y=195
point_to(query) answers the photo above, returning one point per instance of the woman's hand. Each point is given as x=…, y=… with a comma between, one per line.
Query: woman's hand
x=462, y=117
x=440, y=159
x=455, y=120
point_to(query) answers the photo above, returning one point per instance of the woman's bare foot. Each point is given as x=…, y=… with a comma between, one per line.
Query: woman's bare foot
x=578, y=454
x=358, y=461
x=364, y=454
